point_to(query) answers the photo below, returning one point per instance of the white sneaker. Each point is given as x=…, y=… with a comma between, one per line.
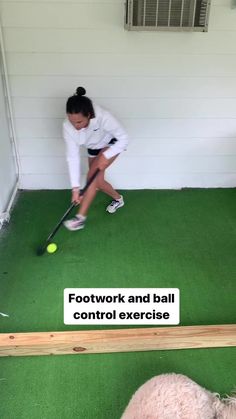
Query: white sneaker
x=115, y=204
x=76, y=223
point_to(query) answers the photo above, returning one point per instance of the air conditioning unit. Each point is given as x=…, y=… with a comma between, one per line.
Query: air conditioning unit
x=188, y=15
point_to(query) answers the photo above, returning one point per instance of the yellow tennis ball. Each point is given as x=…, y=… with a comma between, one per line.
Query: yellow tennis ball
x=51, y=248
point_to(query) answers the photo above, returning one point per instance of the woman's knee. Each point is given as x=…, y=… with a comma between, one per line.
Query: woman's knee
x=100, y=179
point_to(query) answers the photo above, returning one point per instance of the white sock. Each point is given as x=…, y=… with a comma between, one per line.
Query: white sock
x=81, y=217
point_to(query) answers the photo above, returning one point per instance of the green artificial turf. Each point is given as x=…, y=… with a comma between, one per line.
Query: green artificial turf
x=183, y=239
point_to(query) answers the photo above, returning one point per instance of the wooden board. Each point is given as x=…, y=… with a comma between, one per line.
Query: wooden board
x=117, y=340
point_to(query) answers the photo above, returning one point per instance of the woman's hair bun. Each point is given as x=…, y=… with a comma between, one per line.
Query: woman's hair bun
x=80, y=91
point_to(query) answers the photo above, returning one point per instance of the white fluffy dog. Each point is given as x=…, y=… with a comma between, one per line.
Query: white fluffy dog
x=175, y=396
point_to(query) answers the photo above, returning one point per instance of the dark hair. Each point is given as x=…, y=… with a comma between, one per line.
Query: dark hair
x=78, y=103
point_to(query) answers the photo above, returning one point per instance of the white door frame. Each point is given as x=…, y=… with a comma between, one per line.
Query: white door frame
x=5, y=215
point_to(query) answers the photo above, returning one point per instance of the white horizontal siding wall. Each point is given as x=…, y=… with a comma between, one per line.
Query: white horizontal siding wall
x=8, y=172
x=174, y=92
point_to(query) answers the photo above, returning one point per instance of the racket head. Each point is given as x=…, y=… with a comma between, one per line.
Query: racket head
x=42, y=249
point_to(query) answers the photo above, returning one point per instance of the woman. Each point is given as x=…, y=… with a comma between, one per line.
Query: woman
x=103, y=136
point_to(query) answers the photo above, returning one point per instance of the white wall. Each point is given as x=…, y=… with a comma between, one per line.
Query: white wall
x=174, y=92
x=8, y=175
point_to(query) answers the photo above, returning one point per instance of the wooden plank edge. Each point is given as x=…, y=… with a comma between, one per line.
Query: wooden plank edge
x=117, y=340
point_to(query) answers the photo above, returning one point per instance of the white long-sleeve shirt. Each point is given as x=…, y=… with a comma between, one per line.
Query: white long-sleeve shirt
x=96, y=135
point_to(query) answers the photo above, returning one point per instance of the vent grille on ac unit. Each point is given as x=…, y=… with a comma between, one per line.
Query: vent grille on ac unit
x=167, y=14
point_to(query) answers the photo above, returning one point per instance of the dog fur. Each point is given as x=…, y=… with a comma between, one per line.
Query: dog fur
x=175, y=396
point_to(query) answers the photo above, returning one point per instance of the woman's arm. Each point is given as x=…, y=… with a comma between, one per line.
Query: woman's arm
x=111, y=125
x=73, y=158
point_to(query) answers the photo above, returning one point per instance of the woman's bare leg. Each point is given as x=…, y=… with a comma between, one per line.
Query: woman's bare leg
x=99, y=183
x=102, y=184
